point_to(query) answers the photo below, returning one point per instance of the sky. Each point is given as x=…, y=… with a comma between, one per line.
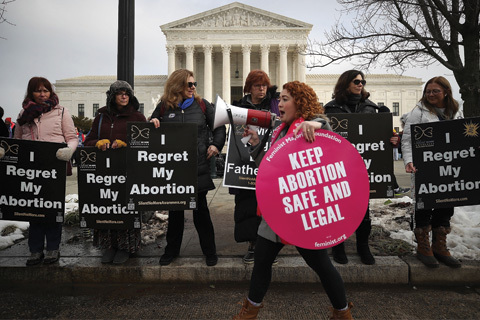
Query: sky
x=60, y=39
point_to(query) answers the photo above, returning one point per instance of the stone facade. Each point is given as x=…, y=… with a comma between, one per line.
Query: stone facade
x=221, y=46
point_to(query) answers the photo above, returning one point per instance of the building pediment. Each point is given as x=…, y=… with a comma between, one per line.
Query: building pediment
x=235, y=16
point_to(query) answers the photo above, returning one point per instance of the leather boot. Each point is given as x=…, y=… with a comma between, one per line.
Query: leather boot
x=439, y=247
x=342, y=314
x=363, y=232
x=248, y=311
x=424, y=251
x=338, y=253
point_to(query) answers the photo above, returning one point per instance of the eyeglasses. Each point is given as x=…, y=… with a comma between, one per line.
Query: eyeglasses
x=434, y=92
x=258, y=86
x=121, y=94
x=41, y=91
x=192, y=84
x=357, y=82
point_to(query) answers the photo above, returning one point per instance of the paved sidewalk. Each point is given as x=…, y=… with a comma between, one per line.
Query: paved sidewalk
x=80, y=261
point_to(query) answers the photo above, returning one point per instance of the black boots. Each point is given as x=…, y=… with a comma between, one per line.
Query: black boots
x=338, y=253
x=362, y=232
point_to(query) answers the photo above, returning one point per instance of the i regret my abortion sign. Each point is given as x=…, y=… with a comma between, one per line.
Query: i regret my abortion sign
x=313, y=195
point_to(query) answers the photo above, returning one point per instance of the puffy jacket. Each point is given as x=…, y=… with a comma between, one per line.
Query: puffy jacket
x=419, y=114
x=366, y=106
x=113, y=126
x=204, y=121
x=53, y=126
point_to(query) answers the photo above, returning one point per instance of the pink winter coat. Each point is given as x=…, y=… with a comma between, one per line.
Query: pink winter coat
x=53, y=126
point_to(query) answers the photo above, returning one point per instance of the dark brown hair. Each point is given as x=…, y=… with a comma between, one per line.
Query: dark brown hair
x=341, y=93
x=34, y=84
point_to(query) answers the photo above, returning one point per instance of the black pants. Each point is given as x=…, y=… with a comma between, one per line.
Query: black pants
x=203, y=224
x=439, y=217
x=38, y=232
x=265, y=253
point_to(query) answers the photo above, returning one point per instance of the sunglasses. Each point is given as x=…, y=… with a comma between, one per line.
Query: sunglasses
x=192, y=84
x=357, y=82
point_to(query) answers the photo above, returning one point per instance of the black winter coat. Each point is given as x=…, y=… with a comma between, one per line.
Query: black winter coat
x=366, y=106
x=204, y=121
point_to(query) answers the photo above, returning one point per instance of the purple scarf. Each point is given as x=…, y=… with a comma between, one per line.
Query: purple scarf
x=32, y=110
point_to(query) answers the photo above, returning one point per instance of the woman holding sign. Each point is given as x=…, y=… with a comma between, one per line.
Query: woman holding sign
x=437, y=104
x=181, y=103
x=350, y=96
x=299, y=111
x=109, y=130
x=43, y=119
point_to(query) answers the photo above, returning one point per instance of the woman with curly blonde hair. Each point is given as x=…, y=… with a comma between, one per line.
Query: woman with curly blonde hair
x=299, y=111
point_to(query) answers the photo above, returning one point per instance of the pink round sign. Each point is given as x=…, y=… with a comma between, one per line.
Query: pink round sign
x=313, y=195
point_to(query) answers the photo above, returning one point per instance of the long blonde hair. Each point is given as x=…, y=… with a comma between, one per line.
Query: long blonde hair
x=175, y=88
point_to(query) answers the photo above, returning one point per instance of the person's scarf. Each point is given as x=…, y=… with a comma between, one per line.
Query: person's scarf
x=353, y=101
x=32, y=110
x=279, y=129
x=186, y=103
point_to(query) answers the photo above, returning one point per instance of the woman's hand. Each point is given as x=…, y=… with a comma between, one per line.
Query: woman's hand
x=410, y=168
x=394, y=140
x=103, y=144
x=64, y=154
x=308, y=129
x=254, y=139
x=118, y=144
x=212, y=151
x=155, y=122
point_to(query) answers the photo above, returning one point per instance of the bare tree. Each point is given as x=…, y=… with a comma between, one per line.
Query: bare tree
x=3, y=10
x=400, y=34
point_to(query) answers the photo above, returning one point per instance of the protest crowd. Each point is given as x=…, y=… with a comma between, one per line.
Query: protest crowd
x=130, y=164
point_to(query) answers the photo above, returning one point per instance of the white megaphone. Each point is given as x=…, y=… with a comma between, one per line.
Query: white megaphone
x=241, y=116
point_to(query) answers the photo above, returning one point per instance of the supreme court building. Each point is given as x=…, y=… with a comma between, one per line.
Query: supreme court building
x=221, y=46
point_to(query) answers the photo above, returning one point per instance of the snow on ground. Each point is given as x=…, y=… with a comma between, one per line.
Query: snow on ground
x=463, y=242
x=392, y=214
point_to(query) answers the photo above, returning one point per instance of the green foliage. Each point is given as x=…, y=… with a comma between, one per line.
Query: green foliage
x=83, y=123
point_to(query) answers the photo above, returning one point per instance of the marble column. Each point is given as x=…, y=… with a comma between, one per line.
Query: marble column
x=189, y=49
x=301, y=62
x=283, y=65
x=207, y=86
x=246, y=50
x=265, y=49
x=226, y=96
x=171, y=50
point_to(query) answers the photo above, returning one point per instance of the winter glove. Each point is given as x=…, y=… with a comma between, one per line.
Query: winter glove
x=101, y=143
x=120, y=143
x=64, y=154
x=2, y=152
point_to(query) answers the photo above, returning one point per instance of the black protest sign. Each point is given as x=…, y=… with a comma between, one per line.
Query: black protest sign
x=446, y=156
x=370, y=134
x=240, y=169
x=162, y=166
x=32, y=179
x=102, y=191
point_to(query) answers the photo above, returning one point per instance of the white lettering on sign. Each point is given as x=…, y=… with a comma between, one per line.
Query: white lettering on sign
x=162, y=158
x=448, y=156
